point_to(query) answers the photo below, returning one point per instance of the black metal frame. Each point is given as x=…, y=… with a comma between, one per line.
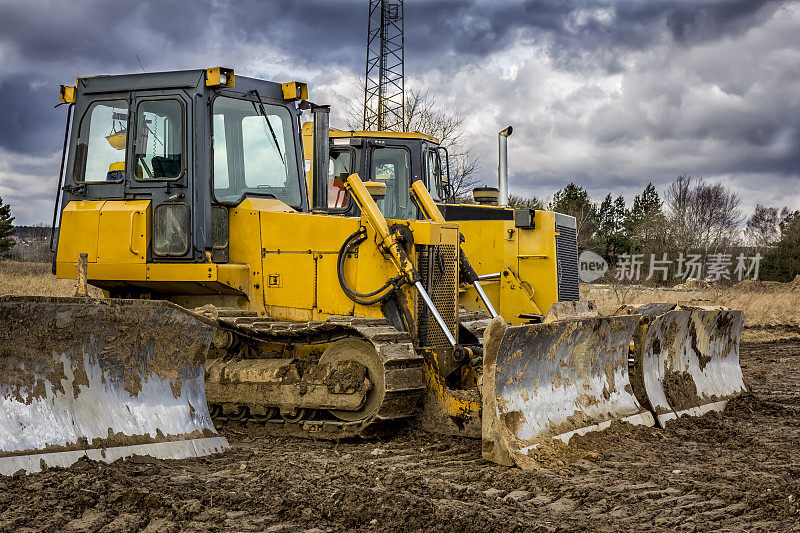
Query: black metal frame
x=133, y=118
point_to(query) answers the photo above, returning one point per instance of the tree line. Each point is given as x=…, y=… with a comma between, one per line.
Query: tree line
x=693, y=217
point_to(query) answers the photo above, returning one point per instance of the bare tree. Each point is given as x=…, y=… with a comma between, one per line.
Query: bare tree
x=464, y=168
x=703, y=217
x=423, y=113
x=763, y=227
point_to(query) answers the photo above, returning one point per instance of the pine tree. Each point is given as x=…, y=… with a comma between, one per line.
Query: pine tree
x=646, y=204
x=605, y=227
x=645, y=219
x=782, y=262
x=621, y=221
x=6, y=228
x=573, y=200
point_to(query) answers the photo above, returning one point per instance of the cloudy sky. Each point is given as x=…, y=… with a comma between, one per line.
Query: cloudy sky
x=611, y=95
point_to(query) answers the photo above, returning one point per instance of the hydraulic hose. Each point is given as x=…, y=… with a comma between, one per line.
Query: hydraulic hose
x=362, y=298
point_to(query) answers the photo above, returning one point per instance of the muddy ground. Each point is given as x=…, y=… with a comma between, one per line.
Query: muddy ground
x=738, y=470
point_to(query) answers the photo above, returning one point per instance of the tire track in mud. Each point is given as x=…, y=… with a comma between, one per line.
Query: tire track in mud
x=735, y=470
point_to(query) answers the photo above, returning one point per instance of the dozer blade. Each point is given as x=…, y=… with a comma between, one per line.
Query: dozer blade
x=101, y=378
x=554, y=380
x=687, y=361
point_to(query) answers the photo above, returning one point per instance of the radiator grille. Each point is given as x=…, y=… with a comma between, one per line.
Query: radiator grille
x=438, y=267
x=567, y=263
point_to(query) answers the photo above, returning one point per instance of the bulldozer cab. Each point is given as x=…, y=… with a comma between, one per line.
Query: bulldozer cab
x=174, y=150
x=394, y=159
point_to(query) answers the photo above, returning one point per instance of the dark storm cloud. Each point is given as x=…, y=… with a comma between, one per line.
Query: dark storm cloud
x=572, y=35
x=312, y=31
x=692, y=22
x=106, y=37
x=30, y=125
x=100, y=32
x=644, y=89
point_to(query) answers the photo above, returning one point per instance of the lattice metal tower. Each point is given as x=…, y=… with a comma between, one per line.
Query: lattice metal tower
x=384, y=99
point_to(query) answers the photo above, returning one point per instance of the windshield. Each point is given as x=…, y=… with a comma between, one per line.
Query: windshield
x=253, y=154
x=392, y=166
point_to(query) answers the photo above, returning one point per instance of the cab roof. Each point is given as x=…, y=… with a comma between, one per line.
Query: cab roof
x=383, y=135
x=179, y=79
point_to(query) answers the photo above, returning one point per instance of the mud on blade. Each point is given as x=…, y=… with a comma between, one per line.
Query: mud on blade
x=101, y=378
x=554, y=380
x=687, y=361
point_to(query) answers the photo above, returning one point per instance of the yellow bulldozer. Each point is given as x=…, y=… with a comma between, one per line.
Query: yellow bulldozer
x=681, y=359
x=233, y=292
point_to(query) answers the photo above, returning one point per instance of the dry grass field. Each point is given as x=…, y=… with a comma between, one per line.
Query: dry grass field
x=34, y=279
x=771, y=309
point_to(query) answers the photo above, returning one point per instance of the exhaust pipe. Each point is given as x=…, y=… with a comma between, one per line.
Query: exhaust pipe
x=502, y=167
x=321, y=156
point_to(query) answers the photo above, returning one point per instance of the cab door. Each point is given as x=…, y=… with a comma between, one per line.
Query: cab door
x=95, y=179
x=160, y=171
x=433, y=173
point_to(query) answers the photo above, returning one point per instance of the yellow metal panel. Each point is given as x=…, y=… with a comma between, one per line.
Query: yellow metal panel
x=527, y=255
x=245, y=249
x=297, y=279
x=292, y=261
x=124, y=231
x=330, y=297
x=383, y=135
x=265, y=204
x=101, y=271
x=236, y=277
x=484, y=244
x=289, y=265
x=182, y=272
x=537, y=259
x=290, y=280
x=78, y=234
x=132, y=272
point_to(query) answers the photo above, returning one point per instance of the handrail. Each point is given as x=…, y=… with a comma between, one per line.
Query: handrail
x=60, y=176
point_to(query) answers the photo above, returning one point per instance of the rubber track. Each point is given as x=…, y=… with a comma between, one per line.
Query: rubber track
x=403, y=372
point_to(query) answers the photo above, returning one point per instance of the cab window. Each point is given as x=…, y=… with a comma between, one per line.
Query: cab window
x=159, y=140
x=100, y=151
x=253, y=153
x=340, y=166
x=392, y=166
